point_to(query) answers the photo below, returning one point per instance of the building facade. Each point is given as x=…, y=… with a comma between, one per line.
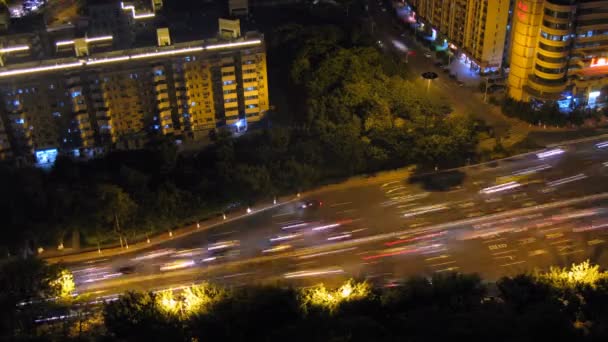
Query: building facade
x=477, y=28
x=560, y=51
x=89, y=96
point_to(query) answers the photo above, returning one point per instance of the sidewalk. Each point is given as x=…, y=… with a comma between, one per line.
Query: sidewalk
x=71, y=256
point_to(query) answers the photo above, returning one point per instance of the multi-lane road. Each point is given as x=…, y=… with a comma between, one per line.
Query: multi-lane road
x=548, y=209
x=526, y=212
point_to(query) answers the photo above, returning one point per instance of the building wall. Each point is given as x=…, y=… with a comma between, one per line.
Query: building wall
x=486, y=30
x=479, y=27
x=5, y=145
x=557, y=49
x=120, y=105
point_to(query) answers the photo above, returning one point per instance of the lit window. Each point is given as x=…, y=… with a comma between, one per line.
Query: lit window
x=193, y=104
x=20, y=121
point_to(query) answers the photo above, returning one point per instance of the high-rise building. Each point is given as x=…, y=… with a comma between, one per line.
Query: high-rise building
x=477, y=28
x=88, y=96
x=560, y=51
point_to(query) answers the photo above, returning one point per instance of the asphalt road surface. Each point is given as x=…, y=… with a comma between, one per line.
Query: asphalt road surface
x=531, y=211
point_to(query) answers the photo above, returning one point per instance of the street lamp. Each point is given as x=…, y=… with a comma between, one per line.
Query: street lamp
x=485, y=93
x=429, y=76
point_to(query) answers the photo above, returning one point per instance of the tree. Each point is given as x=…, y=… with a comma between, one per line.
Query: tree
x=116, y=208
x=25, y=280
x=137, y=316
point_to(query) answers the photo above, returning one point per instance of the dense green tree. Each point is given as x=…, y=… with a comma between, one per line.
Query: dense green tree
x=137, y=317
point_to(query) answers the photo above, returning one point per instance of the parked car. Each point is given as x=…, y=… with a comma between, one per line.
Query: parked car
x=438, y=64
x=428, y=55
x=460, y=83
x=495, y=88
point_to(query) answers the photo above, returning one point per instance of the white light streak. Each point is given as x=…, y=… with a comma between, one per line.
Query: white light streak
x=245, y=43
x=294, y=226
x=41, y=69
x=302, y=274
x=329, y=226
x=107, y=60
x=98, y=39
x=167, y=53
x=64, y=42
x=284, y=237
x=567, y=180
x=133, y=14
x=14, y=48
x=532, y=170
x=500, y=187
x=550, y=153
x=424, y=210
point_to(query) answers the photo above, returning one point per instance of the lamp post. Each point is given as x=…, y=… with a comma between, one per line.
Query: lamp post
x=428, y=76
x=485, y=93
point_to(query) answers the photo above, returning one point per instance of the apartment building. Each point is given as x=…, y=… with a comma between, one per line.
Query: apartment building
x=476, y=28
x=560, y=52
x=90, y=97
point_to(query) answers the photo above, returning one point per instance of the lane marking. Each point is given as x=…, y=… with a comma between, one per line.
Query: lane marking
x=537, y=252
x=389, y=183
x=510, y=257
x=499, y=246
x=443, y=263
x=513, y=263
x=395, y=189
x=494, y=240
x=448, y=269
x=346, y=211
x=526, y=241
x=443, y=256
x=560, y=242
x=279, y=215
x=505, y=252
x=573, y=252
x=339, y=204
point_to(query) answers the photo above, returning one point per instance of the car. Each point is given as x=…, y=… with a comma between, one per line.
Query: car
x=452, y=75
x=222, y=250
x=495, y=88
x=446, y=69
x=310, y=204
x=380, y=44
x=460, y=83
x=428, y=55
x=127, y=269
x=439, y=64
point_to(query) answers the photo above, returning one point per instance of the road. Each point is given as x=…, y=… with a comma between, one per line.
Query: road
x=464, y=100
x=552, y=211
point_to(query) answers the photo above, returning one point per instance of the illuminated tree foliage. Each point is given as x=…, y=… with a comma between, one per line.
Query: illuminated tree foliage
x=578, y=274
x=320, y=296
x=63, y=285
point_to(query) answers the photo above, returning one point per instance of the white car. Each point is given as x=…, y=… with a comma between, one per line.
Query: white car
x=428, y=55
